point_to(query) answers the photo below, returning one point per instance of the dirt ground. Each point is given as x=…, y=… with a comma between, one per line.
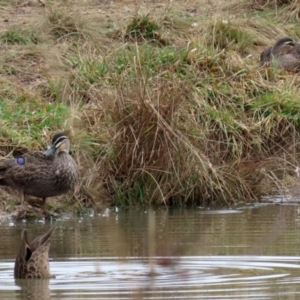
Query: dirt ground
x=31, y=70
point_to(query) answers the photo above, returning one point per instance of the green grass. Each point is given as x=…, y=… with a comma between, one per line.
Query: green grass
x=64, y=23
x=25, y=119
x=141, y=26
x=18, y=35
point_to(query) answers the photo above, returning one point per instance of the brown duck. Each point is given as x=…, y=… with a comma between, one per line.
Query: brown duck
x=33, y=257
x=285, y=54
x=42, y=175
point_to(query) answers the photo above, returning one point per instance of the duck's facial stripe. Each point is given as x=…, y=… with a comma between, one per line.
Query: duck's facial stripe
x=57, y=136
x=21, y=160
x=59, y=141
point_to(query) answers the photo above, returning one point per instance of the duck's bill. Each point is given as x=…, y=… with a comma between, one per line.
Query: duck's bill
x=50, y=151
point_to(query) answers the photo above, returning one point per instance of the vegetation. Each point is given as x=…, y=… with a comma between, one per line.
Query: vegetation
x=163, y=105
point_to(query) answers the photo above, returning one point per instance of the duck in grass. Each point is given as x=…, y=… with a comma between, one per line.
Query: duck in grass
x=42, y=175
x=33, y=258
x=285, y=54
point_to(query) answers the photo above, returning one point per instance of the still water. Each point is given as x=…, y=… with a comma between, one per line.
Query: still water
x=251, y=252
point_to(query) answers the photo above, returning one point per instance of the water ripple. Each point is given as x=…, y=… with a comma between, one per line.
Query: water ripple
x=193, y=277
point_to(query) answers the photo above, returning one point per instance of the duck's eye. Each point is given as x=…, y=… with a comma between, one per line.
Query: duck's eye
x=21, y=160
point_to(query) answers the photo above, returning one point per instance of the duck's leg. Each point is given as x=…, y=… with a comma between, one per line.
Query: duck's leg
x=45, y=212
x=24, y=208
x=43, y=205
x=23, y=202
x=43, y=209
x=40, y=209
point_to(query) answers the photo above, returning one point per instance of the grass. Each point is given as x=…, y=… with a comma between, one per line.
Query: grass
x=64, y=23
x=143, y=28
x=26, y=117
x=19, y=35
x=164, y=106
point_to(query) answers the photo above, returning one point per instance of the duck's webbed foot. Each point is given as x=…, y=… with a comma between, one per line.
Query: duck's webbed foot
x=25, y=212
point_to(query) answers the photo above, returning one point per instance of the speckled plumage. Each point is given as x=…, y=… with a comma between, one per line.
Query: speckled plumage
x=285, y=54
x=42, y=175
x=33, y=258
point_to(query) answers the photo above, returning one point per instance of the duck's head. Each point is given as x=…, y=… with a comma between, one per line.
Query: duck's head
x=60, y=143
x=283, y=46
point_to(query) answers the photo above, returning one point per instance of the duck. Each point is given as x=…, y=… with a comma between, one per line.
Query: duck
x=285, y=53
x=42, y=174
x=32, y=261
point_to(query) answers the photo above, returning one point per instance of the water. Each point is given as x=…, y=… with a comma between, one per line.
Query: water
x=247, y=253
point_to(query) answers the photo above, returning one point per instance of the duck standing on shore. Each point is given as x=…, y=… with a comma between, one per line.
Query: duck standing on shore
x=42, y=175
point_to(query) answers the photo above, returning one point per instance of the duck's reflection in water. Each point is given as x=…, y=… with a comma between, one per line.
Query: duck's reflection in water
x=33, y=289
